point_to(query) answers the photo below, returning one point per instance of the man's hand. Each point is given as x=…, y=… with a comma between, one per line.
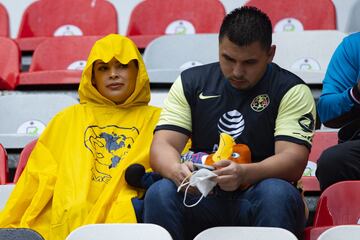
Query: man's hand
x=230, y=175
x=180, y=171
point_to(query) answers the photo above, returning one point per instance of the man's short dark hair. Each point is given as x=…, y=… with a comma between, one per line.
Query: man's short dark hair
x=246, y=25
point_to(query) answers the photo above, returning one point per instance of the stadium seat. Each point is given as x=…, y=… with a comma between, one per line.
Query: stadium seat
x=153, y=18
x=306, y=53
x=166, y=56
x=4, y=170
x=119, y=231
x=248, y=233
x=345, y=232
x=58, y=61
x=24, y=156
x=158, y=96
x=24, y=116
x=4, y=22
x=49, y=18
x=348, y=18
x=321, y=141
x=9, y=64
x=298, y=15
x=232, y=4
x=337, y=205
x=5, y=191
x=19, y=234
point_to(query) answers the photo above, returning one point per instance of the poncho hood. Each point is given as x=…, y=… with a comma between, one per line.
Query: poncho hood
x=124, y=50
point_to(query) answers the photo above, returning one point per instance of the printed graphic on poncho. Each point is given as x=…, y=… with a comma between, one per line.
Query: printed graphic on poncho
x=109, y=145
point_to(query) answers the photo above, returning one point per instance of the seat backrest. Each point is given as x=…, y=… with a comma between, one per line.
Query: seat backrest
x=4, y=22
x=298, y=15
x=116, y=231
x=321, y=141
x=27, y=115
x=5, y=192
x=348, y=232
x=176, y=17
x=181, y=51
x=339, y=205
x=4, y=170
x=48, y=18
x=62, y=53
x=19, y=234
x=23, y=158
x=166, y=56
x=9, y=63
x=248, y=233
x=348, y=15
x=306, y=53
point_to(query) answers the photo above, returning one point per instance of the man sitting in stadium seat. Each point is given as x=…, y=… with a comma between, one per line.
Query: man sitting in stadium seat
x=339, y=106
x=76, y=172
x=256, y=102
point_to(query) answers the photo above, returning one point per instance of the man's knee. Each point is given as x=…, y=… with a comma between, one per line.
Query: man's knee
x=276, y=191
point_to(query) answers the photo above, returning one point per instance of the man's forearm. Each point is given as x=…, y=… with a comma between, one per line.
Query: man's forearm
x=163, y=158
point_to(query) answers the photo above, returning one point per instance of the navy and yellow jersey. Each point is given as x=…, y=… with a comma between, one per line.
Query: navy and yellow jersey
x=202, y=103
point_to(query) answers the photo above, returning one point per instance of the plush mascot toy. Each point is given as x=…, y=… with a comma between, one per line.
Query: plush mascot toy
x=228, y=149
x=136, y=176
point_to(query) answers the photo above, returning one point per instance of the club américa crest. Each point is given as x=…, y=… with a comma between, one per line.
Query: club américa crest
x=260, y=102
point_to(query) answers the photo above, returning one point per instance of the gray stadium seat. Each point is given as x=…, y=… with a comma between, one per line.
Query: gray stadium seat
x=5, y=191
x=24, y=116
x=166, y=56
x=19, y=234
x=306, y=53
x=119, y=231
x=343, y=232
x=248, y=233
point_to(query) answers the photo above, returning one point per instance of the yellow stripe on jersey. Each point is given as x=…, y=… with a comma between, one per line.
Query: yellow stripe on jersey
x=297, y=114
x=176, y=110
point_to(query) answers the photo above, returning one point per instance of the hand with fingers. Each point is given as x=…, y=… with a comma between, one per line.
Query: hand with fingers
x=231, y=175
x=180, y=171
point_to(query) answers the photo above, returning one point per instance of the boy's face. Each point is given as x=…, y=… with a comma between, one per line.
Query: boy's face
x=114, y=80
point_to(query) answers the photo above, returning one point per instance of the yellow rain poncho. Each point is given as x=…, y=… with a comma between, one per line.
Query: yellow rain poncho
x=75, y=174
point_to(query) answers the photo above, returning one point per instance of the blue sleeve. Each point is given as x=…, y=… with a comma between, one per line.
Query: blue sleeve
x=342, y=74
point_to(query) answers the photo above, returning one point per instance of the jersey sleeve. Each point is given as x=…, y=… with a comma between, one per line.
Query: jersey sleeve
x=176, y=113
x=295, y=121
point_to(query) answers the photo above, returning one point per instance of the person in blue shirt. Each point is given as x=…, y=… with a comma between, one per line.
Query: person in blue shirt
x=339, y=107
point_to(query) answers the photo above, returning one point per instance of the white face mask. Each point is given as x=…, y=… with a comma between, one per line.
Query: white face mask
x=202, y=181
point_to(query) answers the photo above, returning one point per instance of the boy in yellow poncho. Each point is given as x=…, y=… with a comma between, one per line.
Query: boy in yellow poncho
x=75, y=174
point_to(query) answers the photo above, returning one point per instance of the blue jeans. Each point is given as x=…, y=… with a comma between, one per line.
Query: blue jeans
x=270, y=203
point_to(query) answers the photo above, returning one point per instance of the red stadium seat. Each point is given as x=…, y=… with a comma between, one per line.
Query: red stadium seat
x=337, y=205
x=9, y=64
x=49, y=18
x=58, y=60
x=153, y=18
x=4, y=22
x=24, y=156
x=297, y=15
x=4, y=170
x=321, y=141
